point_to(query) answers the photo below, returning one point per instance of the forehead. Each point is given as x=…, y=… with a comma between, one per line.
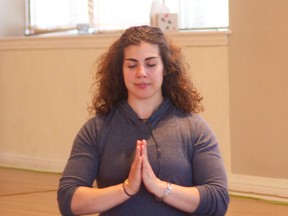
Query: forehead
x=144, y=49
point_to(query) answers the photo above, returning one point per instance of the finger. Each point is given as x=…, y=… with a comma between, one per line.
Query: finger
x=139, y=144
x=146, y=164
x=134, y=177
x=144, y=149
x=138, y=159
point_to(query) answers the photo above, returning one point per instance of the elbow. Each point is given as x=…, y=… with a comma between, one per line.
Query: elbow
x=220, y=203
x=64, y=202
x=213, y=201
x=225, y=202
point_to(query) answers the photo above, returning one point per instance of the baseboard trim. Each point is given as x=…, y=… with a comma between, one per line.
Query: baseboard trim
x=259, y=187
x=31, y=163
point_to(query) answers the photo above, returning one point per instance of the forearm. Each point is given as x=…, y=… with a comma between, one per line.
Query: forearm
x=183, y=198
x=93, y=200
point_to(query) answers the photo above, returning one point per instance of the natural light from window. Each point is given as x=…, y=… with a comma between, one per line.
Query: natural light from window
x=107, y=15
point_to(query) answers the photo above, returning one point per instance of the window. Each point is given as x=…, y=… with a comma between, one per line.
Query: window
x=109, y=15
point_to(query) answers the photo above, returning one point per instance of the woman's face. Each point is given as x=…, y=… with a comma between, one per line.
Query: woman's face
x=143, y=72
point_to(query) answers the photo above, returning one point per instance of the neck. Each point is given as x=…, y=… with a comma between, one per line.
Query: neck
x=145, y=108
x=144, y=120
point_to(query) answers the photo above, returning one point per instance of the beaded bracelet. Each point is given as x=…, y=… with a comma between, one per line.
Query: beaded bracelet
x=166, y=193
x=124, y=189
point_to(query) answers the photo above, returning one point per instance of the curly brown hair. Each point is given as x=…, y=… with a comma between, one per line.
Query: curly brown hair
x=109, y=82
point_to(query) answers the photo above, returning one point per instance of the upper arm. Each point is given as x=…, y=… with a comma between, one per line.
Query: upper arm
x=209, y=174
x=82, y=165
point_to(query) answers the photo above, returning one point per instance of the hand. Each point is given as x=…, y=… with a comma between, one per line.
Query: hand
x=134, y=178
x=149, y=178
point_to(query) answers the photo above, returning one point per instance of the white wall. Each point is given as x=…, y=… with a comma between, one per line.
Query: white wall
x=258, y=75
x=44, y=92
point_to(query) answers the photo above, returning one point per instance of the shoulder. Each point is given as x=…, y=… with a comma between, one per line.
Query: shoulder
x=194, y=123
x=90, y=132
x=199, y=124
x=92, y=126
x=93, y=122
x=193, y=119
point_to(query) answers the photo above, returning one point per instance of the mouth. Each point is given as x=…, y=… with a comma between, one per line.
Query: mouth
x=142, y=85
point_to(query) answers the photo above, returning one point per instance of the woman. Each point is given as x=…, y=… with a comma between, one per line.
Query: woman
x=148, y=149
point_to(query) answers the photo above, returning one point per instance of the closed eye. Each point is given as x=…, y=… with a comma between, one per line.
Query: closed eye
x=151, y=65
x=151, y=62
x=131, y=66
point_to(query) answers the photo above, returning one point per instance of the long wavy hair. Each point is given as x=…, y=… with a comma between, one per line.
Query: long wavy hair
x=109, y=87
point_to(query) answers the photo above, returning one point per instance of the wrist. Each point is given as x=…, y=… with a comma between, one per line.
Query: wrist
x=125, y=185
x=164, y=192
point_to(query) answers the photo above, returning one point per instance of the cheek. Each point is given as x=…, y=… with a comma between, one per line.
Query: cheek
x=127, y=78
x=160, y=80
x=159, y=77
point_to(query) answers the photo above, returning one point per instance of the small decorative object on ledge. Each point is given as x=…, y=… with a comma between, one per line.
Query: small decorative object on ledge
x=162, y=18
x=85, y=28
x=167, y=21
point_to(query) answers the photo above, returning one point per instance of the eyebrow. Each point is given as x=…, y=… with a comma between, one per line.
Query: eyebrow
x=135, y=60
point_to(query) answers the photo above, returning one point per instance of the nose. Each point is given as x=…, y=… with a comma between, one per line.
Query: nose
x=141, y=72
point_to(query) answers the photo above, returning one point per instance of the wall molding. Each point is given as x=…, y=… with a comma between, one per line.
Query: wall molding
x=186, y=39
x=259, y=187
x=271, y=189
x=31, y=163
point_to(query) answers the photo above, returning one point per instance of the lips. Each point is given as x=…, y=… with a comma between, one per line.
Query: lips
x=142, y=85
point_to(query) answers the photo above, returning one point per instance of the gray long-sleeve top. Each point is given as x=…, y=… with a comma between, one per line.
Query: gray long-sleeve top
x=182, y=149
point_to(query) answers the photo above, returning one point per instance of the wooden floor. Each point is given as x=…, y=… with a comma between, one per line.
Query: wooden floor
x=29, y=193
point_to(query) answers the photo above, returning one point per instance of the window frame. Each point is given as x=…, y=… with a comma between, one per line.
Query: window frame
x=30, y=30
